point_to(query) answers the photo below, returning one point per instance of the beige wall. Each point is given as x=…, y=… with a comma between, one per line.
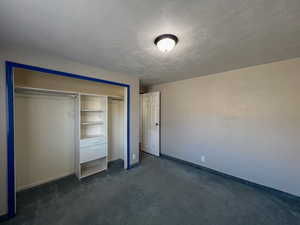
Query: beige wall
x=41, y=59
x=245, y=122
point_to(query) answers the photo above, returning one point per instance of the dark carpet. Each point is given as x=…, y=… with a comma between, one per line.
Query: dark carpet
x=158, y=192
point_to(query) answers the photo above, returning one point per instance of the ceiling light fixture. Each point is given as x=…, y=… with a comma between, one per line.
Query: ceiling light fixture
x=166, y=42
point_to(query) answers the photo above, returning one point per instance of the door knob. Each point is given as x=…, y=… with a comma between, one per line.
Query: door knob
x=156, y=124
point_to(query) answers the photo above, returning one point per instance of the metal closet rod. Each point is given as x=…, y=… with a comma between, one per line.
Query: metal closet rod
x=39, y=91
x=116, y=99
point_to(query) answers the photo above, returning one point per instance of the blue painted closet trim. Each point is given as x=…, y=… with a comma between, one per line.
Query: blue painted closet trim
x=10, y=141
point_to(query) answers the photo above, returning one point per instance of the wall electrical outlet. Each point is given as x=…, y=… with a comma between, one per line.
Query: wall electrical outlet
x=203, y=158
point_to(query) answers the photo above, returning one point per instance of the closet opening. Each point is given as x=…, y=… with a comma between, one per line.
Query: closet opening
x=62, y=124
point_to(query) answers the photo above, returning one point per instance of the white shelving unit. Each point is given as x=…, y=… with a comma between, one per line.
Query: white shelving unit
x=91, y=154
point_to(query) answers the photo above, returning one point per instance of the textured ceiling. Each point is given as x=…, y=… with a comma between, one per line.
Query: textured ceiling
x=117, y=35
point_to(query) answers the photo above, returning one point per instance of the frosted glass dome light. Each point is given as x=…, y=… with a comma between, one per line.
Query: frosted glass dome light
x=166, y=42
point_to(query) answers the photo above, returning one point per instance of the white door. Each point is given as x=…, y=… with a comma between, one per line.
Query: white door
x=150, y=122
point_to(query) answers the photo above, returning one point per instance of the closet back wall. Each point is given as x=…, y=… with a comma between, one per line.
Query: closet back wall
x=44, y=138
x=115, y=129
x=29, y=78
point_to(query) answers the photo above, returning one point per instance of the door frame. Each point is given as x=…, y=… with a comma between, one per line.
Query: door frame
x=9, y=67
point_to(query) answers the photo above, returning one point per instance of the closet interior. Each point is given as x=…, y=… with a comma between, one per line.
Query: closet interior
x=65, y=126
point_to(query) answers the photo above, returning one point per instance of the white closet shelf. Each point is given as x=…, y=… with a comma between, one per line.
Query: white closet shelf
x=92, y=136
x=95, y=158
x=92, y=123
x=91, y=110
x=90, y=172
x=97, y=95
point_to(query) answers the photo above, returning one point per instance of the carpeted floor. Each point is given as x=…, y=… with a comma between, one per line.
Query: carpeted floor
x=158, y=192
